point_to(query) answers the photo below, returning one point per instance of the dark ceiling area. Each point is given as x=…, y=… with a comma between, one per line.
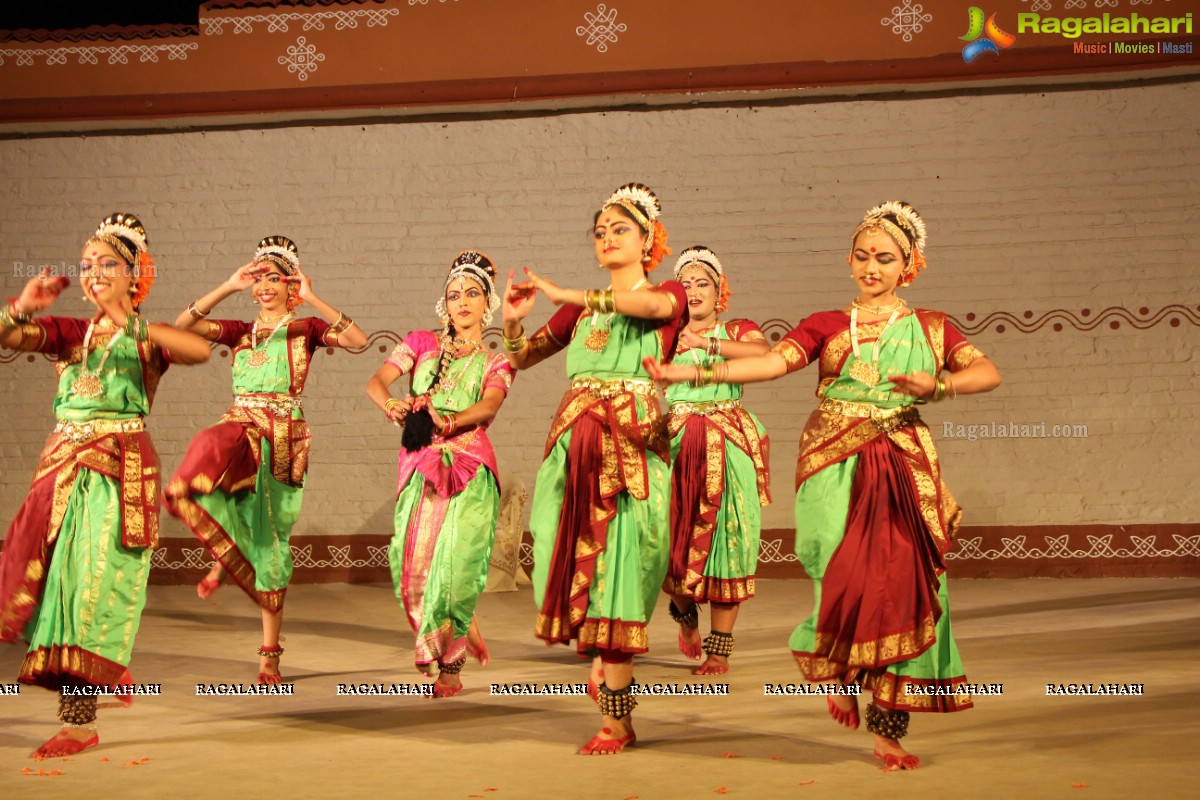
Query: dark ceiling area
x=67, y=16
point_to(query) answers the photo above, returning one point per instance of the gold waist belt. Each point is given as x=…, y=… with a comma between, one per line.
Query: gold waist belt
x=279, y=403
x=704, y=407
x=601, y=388
x=93, y=428
x=888, y=419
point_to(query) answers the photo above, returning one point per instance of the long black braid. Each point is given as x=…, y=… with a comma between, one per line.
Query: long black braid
x=418, y=429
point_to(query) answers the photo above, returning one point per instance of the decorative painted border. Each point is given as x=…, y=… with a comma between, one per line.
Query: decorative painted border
x=981, y=552
x=775, y=329
x=114, y=54
x=1058, y=319
x=312, y=21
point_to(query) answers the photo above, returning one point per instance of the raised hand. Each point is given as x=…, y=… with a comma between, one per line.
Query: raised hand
x=41, y=291
x=518, y=299
x=243, y=277
x=553, y=293
x=305, y=291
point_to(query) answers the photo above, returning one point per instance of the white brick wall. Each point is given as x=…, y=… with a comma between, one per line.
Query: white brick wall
x=1034, y=201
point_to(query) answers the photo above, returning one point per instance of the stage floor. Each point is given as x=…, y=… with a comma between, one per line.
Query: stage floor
x=1023, y=634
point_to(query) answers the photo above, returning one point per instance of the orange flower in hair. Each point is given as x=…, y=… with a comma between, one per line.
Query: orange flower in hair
x=658, y=246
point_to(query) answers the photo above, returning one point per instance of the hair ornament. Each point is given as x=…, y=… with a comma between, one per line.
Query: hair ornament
x=281, y=251
x=125, y=233
x=477, y=266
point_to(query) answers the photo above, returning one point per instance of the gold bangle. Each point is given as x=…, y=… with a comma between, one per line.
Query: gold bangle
x=195, y=311
x=391, y=403
x=514, y=345
x=949, y=384
x=610, y=301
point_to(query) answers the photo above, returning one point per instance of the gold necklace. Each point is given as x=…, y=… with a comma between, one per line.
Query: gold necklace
x=598, y=338
x=879, y=309
x=867, y=372
x=259, y=357
x=265, y=320
x=89, y=384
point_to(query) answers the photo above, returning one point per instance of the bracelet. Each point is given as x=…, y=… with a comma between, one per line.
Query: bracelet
x=705, y=375
x=390, y=404
x=939, y=391
x=610, y=301
x=195, y=311
x=342, y=324
x=949, y=384
x=514, y=345
x=449, y=425
x=714, y=347
x=11, y=318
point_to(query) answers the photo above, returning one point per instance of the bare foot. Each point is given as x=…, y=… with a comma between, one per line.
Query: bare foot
x=448, y=684
x=211, y=582
x=893, y=756
x=844, y=709
x=713, y=665
x=613, y=737
x=268, y=670
x=67, y=742
x=690, y=643
x=476, y=646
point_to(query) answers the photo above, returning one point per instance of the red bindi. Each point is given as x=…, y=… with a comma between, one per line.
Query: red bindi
x=872, y=249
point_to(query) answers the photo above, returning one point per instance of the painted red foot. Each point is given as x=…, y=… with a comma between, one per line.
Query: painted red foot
x=692, y=648
x=598, y=745
x=712, y=667
x=897, y=761
x=848, y=717
x=60, y=745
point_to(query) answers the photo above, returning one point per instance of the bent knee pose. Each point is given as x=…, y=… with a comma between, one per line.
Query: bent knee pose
x=719, y=469
x=873, y=518
x=241, y=481
x=76, y=558
x=600, y=517
x=448, y=496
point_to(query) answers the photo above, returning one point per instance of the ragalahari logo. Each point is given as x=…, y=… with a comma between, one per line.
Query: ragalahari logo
x=983, y=37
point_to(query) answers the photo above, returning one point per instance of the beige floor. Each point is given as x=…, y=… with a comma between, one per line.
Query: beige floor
x=1023, y=634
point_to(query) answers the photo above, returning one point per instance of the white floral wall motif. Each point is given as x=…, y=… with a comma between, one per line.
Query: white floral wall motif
x=907, y=20
x=601, y=28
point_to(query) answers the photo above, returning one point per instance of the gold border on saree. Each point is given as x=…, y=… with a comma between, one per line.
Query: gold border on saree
x=605, y=389
x=278, y=403
x=705, y=407
x=93, y=428
x=888, y=419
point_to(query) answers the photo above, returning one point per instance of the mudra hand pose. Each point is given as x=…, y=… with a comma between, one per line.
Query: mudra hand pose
x=600, y=508
x=241, y=481
x=449, y=493
x=76, y=558
x=873, y=518
x=719, y=469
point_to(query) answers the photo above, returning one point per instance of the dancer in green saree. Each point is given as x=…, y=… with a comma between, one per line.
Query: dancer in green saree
x=719, y=470
x=600, y=508
x=448, y=496
x=76, y=558
x=873, y=518
x=241, y=481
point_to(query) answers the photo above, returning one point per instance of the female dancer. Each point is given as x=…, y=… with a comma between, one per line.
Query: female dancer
x=449, y=495
x=719, y=469
x=77, y=556
x=241, y=481
x=873, y=519
x=600, y=516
